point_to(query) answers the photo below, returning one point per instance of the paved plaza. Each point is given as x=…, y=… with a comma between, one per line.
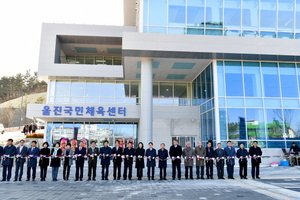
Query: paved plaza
x=276, y=183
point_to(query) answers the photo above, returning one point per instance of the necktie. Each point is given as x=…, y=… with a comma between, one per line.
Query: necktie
x=79, y=148
x=208, y=150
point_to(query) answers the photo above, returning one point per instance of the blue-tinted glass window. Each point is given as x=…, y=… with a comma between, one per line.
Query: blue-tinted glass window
x=214, y=13
x=223, y=123
x=107, y=89
x=213, y=32
x=255, y=124
x=195, y=31
x=268, y=15
x=62, y=88
x=252, y=79
x=270, y=79
x=276, y=144
x=297, y=15
x=195, y=13
x=292, y=123
x=250, y=15
x=220, y=78
x=208, y=82
x=92, y=89
x=158, y=12
x=177, y=13
x=288, y=80
x=157, y=29
x=232, y=14
x=176, y=30
x=77, y=89
x=274, y=123
x=236, y=33
x=285, y=35
x=286, y=15
x=203, y=86
x=290, y=103
x=146, y=13
x=235, y=102
x=233, y=78
x=236, y=124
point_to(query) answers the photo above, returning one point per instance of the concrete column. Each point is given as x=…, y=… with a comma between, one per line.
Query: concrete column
x=146, y=121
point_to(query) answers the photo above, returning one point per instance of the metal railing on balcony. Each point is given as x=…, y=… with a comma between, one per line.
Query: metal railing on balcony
x=91, y=60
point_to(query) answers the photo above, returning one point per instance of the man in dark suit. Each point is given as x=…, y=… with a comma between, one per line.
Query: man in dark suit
x=32, y=153
x=242, y=155
x=220, y=155
x=210, y=154
x=20, y=160
x=230, y=159
x=128, y=160
x=117, y=159
x=176, y=153
x=80, y=154
x=1, y=153
x=93, y=153
x=255, y=151
x=9, y=151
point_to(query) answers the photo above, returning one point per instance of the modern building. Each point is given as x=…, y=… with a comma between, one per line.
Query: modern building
x=189, y=69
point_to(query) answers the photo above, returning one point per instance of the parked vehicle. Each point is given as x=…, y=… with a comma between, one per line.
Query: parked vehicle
x=1, y=128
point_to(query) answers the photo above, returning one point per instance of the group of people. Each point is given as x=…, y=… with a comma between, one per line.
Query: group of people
x=29, y=128
x=202, y=156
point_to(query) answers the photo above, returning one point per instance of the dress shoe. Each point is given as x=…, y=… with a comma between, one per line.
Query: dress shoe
x=53, y=179
x=94, y=179
x=76, y=179
x=118, y=179
x=202, y=178
x=15, y=180
x=242, y=177
x=89, y=179
x=198, y=177
x=173, y=178
x=160, y=179
x=245, y=177
x=8, y=179
x=257, y=177
x=3, y=180
x=33, y=179
x=222, y=178
x=232, y=178
x=192, y=178
x=129, y=179
x=148, y=179
x=20, y=179
x=211, y=177
x=124, y=179
x=28, y=179
x=102, y=179
x=115, y=179
x=179, y=178
x=165, y=179
x=106, y=179
x=253, y=177
x=152, y=178
x=81, y=179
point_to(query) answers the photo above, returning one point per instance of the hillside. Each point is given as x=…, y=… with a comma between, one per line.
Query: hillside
x=32, y=98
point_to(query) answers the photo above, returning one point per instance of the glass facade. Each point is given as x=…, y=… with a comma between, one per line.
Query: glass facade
x=117, y=92
x=243, y=18
x=95, y=131
x=203, y=95
x=259, y=101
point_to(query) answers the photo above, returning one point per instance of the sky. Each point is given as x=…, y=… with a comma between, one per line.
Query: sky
x=21, y=23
